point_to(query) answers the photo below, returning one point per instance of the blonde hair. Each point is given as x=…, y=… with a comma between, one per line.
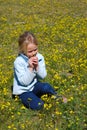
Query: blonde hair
x=25, y=39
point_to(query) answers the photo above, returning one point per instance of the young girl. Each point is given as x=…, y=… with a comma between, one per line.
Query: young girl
x=29, y=68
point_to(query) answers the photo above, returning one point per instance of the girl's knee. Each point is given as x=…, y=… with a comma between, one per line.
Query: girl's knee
x=49, y=89
x=47, y=86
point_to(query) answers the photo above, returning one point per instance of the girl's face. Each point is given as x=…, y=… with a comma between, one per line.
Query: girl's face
x=32, y=50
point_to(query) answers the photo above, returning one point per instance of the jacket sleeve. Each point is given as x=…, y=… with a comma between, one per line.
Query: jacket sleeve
x=23, y=74
x=41, y=72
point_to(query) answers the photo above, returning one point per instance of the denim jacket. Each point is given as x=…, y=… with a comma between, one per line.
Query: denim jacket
x=24, y=79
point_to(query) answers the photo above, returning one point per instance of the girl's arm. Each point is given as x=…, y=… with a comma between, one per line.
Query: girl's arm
x=41, y=71
x=23, y=73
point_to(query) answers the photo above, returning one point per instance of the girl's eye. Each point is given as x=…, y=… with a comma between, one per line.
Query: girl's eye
x=29, y=51
x=32, y=50
x=35, y=50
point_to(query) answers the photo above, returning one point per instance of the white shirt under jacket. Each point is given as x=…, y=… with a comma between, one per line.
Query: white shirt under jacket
x=24, y=79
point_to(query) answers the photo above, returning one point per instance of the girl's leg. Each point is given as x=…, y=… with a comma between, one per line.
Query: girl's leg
x=43, y=88
x=30, y=100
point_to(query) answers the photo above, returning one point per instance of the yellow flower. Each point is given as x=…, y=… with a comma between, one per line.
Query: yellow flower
x=23, y=107
x=9, y=127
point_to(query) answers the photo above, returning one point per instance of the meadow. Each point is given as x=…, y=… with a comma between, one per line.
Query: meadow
x=61, y=29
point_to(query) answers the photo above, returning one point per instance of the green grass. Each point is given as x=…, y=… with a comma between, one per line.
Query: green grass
x=61, y=29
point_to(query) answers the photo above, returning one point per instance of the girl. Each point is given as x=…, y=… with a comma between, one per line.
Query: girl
x=29, y=68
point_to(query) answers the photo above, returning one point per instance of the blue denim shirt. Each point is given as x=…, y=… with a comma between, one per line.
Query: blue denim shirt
x=24, y=79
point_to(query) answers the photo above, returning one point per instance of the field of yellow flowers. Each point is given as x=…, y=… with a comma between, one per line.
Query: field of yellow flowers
x=61, y=29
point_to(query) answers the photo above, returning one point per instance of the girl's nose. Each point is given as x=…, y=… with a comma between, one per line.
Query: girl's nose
x=33, y=53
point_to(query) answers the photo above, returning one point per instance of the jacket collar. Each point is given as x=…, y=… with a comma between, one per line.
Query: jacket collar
x=24, y=57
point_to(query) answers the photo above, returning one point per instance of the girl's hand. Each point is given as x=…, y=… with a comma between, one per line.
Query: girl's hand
x=33, y=63
x=30, y=62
